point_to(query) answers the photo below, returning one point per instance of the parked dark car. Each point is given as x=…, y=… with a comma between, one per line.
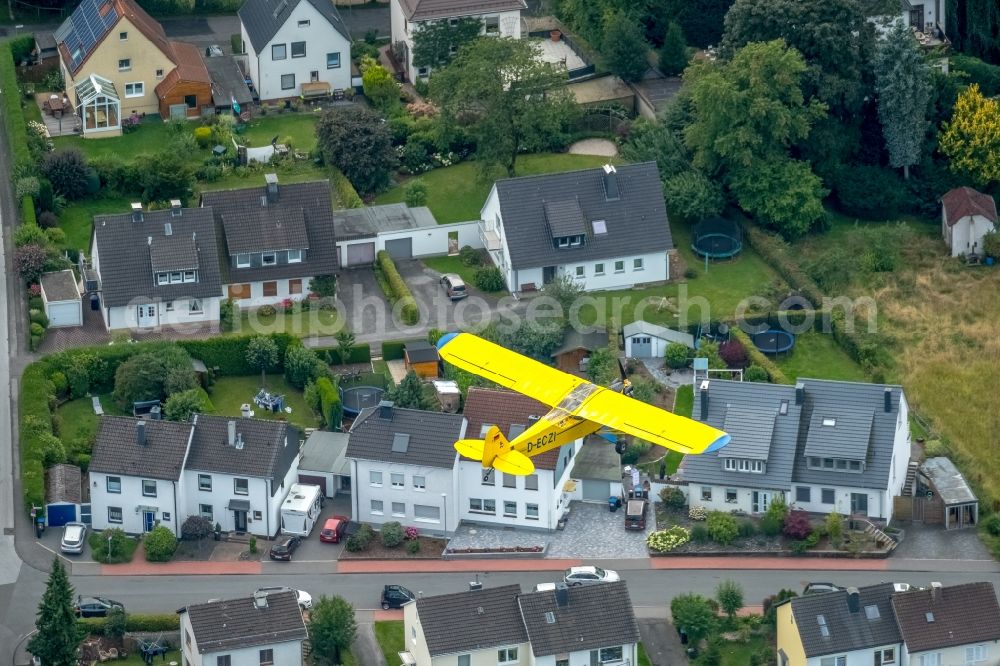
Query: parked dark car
x=283, y=549
x=635, y=514
x=95, y=606
x=820, y=588
x=394, y=596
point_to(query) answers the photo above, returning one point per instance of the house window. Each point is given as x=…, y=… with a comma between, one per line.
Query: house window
x=803, y=494
x=137, y=89
x=562, y=662
x=562, y=242
x=827, y=495
x=148, y=488
x=932, y=659
x=243, y=261
x=576, y=240
x=507, y=655
x=598, y=269
x=187, y=638
x=375, y=478
x=271, y=258
x=399, y=509
x=397, y=480
x=490, y=478
x=886, y=656
x=295, y=286
x=619, y=267
x=298, y=49
x=241, y=486
x=159, y=74
x=294, y=256
x=304, y=24
x=190, y=276
x=205, y=482
x=509, y=481
x=731, y=495
x=287, y=83
x=278, y=52
x=166, y=516
x=175, y=278
x=975, y=654
x=706, y=494
x=205, y=511
x=854, y=465
x=257, y=515
x=419, y=482
x=194, y=306
x=114, y=484
x=531, y=511
x=267, y=657
x=637, y=264
x=611, y=654
x=492, y=25
x=115, y=514
x=223, y=660
x=464, y=660
x=579, y=271
x=477, y=505
x=123, y=36
x=191, y=101
x=839, y=660
x=531, y=482
x=125, y=64
x=333, y=60
x=428, y=514
x=422, y=72
x=169, y=305
x=828, y=463
x=377, y=507
x=510, y=509
x=270, y=288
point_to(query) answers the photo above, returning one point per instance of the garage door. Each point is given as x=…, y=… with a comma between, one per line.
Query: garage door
x=595, y=491
x=642, y=346
x=60, y=514
x=360, y=254
x=64, y=314
x=400, y=248
x=314, y=481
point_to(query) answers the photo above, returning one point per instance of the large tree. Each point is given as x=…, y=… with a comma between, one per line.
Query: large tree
x=410, y=392
x=435, y=43
x=507, y=98
x=693, y=614
x=903, y=83
x=331, y=629
x=624, y=48
x=153, y=376
x=58, y=635
x=357, y=141
x=673, y=54
x=262, y=354
x=971, y=139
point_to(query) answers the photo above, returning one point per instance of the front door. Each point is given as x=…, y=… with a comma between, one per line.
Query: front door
x=761, y=500
x=859, y=503
x=146, y=316
x=548, y=274
x=148, y=521
x=240, y=517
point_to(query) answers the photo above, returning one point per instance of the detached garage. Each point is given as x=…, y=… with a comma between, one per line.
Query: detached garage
x=324, y=464
x=61, y=296
x=646, y=340
x=63, y=495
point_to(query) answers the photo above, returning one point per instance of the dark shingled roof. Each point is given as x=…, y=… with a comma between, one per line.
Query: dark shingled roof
x=116, y=449
x=751, y=430
x=258, y=229
x=421, y=352
x=636, y=221
x=963, y=614
x=263, y=18
x=574, y=339
x=839, y=433
x=227, y=81
x=63, y=483
x=505, y=409
x=238, y=623
x=126, y=254
x=269, y=447
x=432, y=436
x=595, y=616
x=421, y=10
x=471, y=620
x=173, y=253
x=565, y=218
x=847, y=631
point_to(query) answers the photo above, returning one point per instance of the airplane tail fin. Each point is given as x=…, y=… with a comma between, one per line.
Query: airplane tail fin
x=495, y=452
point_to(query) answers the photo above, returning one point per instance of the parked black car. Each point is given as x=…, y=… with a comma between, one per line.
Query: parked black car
x=95, y=606
x=283, y=549
x=394, y=596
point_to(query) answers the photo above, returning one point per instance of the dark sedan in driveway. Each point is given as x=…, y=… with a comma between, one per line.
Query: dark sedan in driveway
x=95, y=606
x=284, y=548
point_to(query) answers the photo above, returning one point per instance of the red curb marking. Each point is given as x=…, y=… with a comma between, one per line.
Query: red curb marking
x=445, y=566
x=383, y=615
x=775, y=563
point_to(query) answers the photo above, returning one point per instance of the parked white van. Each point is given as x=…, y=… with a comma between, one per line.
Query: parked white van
x=300, y=510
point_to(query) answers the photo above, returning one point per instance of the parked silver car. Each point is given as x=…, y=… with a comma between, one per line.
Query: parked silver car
x=74, y=537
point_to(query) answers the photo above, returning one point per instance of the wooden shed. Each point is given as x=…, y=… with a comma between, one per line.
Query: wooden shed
x=945, y=496
x=422, y=358
x=576, y=348
x=187, y=88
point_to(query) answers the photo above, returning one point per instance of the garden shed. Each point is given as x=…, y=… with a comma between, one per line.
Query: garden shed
x=99, y=105
x=946, y=496
x=187, y=89
x=576, y=348
x=61, y=296
x=967, y=215
x=646, y=340
x=422, y=358
x=323, y=462
x=64, y=495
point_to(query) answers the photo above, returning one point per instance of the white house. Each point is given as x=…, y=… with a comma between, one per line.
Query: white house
x=606, y=228
x=535, y=501
x=949, y=625
x=295, y=48
x=402, y=463
x=820, y=445
x=966, y=217
x=262, y=630
x=499, y=18
x=61, y=297
x=566, y=626
x=646, y=340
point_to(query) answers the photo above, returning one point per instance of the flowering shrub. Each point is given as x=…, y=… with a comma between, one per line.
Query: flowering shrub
x=35, y=290
x=666, y=540
x=422, y=109
x=697, y=512
x=411, y=533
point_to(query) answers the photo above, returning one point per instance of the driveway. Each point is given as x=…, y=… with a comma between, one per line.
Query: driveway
x=933, y=542
x=662, y=643
x=314, y=550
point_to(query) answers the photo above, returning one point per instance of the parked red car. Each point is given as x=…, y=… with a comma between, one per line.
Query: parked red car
x=334, y=529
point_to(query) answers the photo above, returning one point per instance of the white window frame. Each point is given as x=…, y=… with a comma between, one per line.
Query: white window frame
x=637, y=264
x=195, y=306
x=209, y=513
x=735, y=495
x=243, y=261
x=886, y=656
x=838, y=660
x=113, y=487
x=599, y=269
x=377, y=507
x=236, y=486
x=509, y=512
x=976, y=654
x=292, y=50
x=146, y=493
x=930, y=659
x=123, y=36
x=484, y=506
x=290, y=87
x=295, y=256
x=508, y=655
x=617, y=654
x=706, y=493
x=205, y=482
x=398, y=509
x=397, y=479
x=374, y=478
x=138, y=89
x=115, y=515
x=531, y=511
x=279, y=48
x=190, y=276
x=336, y=60
x=419, y=482
x=304, y=23
x=620, y=266
x=563, y=241
x=419, y=509
x=125, y=64
x=159, y=74
x=581, y=271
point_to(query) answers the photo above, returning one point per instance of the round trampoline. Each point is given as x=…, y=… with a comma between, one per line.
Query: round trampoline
x=773, y=341
x=717, y=238
x=356, y=398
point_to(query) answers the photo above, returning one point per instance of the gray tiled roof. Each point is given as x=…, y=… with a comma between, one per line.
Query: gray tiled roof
x=949, y=483
x=594, y=616
x=708, y=468
x=238, y=623
x=506, y=409
x=63, y=483
x=432, y=437
x=421, y=10
x=116, y=449
x=324, y=451
x=174, y=253
x=125, y=250
x=963, y=615
x=263, y=18
x=265, y=228
x=574, y=339
x=848, y=631
x=471, y=620
x=636, y=222
x=264, y=453
x=836, y=432
x=751, y=430
x=565, y=218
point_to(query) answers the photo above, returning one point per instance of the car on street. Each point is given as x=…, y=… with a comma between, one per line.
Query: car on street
x=95, y=606
x=74, y=537
x=589, y=575
x=284, y=548
x=454, y=286
x=820, y=588
x=334, y=529
x=304, y=598
x=213, y=51
x=394, y=596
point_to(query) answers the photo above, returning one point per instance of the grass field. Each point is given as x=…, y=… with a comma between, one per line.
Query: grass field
x=229, y=393
x=300, y=127
x=643, y=658
x=78, y=422
x=77, y=220
x=303, y=324
x=457, y=194
x=391, y=640
x=818, y=356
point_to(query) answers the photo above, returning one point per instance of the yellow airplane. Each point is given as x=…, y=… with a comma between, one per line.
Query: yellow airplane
x=579, y=408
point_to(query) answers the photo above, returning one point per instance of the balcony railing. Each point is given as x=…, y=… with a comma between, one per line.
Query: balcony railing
x=489, y=237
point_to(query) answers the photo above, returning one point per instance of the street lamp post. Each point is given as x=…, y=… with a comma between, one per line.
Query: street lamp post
x=444, y=502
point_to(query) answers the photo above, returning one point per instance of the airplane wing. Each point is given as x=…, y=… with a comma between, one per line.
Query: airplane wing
x=507, y=368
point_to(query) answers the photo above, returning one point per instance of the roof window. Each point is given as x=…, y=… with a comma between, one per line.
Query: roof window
x=829, y=422
x=871, y=612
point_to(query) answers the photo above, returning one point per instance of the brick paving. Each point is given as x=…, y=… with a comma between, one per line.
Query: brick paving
x=451, y=566
x=770, y=563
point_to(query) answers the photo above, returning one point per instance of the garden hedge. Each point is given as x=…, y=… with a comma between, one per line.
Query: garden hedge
x=28, y=210
x=229, y=354
x=410, y=312
x=346, y=193
x=152, y=623
x=35, y=418
x=329, y=403
x=392, y=350
x=360, y=353
x=776, y=252
x=13, y=114
x=774, y=373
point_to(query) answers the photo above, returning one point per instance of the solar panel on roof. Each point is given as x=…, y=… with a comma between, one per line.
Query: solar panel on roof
x=88, y=24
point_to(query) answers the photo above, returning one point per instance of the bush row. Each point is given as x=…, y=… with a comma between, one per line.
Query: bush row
x=983, y=73
x=228, y=355
x=360, y=353
x=392, y=350
x=776, y=252
x=158, y=622
x=36, y=400
x=346, y=193
x=331, y=409
x=400, y=292
x=757, y=357
x=13, y=114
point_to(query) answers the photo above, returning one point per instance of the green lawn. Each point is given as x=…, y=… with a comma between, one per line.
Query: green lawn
x=818, y=356
x=300, y=127
x=303, y=324
x=643, y=658
x=135, y=659
x=229, y=393
x=77, y=219
x=383, y=367
x=152, y=136
x=77, y=420
x=391, y=640
x=456, y=194
x=684, y=401
x=735, y=653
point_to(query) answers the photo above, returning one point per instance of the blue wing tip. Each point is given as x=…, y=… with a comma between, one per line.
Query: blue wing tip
x=445, y=339
x=718, y=444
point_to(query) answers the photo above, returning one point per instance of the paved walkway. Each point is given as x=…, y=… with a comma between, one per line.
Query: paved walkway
x=600, y=147
x=929, y=542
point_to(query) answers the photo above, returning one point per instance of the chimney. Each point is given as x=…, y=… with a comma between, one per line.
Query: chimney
x=935, y=586
x=175, y=207
x=800, y=393
x=853, y=599
x=272, y=187
x=704, y=398
x=887, y=399
x=562, y=595
x=475, y=585
x=232, y=433
x=385, y=410
x=610, y=183
x=137, y=212
x=260, y=599
x=140, y=433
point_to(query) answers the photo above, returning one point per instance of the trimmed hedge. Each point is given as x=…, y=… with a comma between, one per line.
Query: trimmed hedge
x=36, y=400
x=13, y=114
x=757, y=357
x=229, y=354
x=329, y=403
x=360, y=353
x=28, y=211
x=392, y=350
x=157, y=622
x=410, y=312
x=346, y=193
x=777, y=253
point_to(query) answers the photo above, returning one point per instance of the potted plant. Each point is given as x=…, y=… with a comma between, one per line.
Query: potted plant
x=555, y=34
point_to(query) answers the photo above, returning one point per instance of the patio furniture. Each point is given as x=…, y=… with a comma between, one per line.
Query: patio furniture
x=272, y=402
